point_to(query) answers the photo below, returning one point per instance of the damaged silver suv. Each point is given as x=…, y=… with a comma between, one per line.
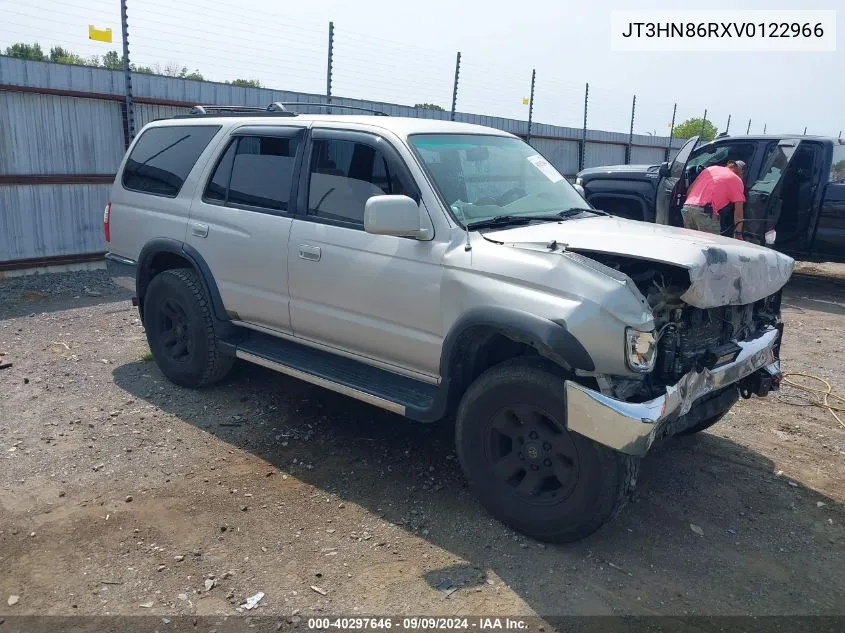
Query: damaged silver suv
x=443, y=270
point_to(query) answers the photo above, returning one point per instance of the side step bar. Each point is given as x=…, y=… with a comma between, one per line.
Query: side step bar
x=380, y=388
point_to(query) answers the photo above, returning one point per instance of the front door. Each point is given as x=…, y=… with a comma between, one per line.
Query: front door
x=241, y=224
x=763, y=202
x=374, y=296
x=672, y=185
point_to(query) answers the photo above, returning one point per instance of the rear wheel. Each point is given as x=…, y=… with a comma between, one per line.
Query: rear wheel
x=527, y=469
x=180, y=329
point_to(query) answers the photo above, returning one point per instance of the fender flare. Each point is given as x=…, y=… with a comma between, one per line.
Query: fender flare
x=551, y=338
x=186, y=251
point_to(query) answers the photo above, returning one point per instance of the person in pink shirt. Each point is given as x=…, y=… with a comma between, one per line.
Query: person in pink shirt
x=714, y=189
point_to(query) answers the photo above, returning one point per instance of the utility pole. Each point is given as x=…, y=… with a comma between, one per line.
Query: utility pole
x=629, y=149
x=455, y=86
x=531, y=106
x=329, y=64
x=127, y=77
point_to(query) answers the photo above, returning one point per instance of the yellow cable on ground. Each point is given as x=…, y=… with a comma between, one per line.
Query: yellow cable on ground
x=815, y=397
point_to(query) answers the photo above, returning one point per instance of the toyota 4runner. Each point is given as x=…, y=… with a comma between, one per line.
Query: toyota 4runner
x=442, y=270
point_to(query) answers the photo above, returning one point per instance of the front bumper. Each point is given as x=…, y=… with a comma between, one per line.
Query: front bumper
x=632, y=427
x=122, y=270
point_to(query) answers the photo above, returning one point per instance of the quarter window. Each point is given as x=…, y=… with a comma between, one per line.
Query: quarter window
x=344, y=175
x=164, y=156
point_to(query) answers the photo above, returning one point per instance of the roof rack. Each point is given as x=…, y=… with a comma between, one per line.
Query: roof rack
x=274, y=109
x=331, y=105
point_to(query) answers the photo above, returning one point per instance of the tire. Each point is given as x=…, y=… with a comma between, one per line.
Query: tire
x=180, y=329
x=582, y=484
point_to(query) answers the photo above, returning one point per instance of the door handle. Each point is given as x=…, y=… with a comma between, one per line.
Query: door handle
x=199, y=229
x=311, y=253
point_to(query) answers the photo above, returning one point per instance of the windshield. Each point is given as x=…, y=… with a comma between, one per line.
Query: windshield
x=482, y=177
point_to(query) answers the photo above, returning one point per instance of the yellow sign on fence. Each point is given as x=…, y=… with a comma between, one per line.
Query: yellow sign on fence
x=100, y=35
x=525, y=100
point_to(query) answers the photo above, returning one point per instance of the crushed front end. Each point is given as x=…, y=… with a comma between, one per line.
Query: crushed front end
x=706, y=358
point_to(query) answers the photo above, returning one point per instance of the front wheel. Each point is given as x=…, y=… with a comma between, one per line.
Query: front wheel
x=526, y=468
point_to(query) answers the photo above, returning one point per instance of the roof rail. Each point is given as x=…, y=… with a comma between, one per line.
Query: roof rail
x=331, y=105
x=274, y=109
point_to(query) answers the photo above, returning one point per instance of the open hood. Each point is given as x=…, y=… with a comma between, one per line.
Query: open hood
x=722, y=271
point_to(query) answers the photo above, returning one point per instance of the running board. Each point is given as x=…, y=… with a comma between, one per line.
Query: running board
x=380, y=388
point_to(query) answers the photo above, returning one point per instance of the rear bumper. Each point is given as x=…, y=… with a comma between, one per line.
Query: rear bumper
x=122, y=270
x=632, y=427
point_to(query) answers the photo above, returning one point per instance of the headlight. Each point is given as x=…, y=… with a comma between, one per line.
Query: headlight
x=579, y=181
x=640, y=350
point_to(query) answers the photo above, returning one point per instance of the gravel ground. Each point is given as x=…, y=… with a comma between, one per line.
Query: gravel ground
x=123, y=494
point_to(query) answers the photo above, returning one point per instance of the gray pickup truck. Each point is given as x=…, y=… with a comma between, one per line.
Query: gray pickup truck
x=442, y=271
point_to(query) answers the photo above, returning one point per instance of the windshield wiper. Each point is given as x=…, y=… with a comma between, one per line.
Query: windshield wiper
x=505, y=220
x=568, y=213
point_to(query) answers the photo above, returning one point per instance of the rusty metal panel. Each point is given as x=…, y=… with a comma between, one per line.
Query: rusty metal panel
x=598, y=154
x=145, y=113
x=50, y=220
x=21, y=72
x=648, y=155
x=47, y=134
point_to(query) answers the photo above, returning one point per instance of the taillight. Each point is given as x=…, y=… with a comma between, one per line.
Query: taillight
x=106, y=221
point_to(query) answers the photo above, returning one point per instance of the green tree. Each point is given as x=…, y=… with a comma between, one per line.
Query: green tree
x=113, y=60
x=245, y=83
x=695, y=127
x=59, y=55
x=429, y=106
x=26, y=51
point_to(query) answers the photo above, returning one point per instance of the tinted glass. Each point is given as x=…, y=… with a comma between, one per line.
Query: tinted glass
x=262, y=171
x=344, y=175
x=164, y=156
x=837, y=165
x=219, y=183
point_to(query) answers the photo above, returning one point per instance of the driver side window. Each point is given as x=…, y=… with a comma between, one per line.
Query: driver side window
x=343, y=176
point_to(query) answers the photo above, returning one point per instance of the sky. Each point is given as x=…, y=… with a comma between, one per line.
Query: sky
x=404, y=52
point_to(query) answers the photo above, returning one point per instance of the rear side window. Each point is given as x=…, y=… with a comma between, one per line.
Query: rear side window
x=255, y=171
x=164, y=156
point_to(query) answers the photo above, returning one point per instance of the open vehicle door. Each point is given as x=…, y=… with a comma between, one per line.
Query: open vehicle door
x=763, y=201
x=672, y=184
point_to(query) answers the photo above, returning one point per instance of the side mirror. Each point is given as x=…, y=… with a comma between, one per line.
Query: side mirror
x=393, y=215
x=665, y=169
x=580, y=191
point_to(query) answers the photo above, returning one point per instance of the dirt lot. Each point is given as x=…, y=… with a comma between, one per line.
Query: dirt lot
x=122, y=494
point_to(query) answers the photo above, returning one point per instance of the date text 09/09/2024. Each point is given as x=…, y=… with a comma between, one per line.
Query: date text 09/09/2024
x=418, y=624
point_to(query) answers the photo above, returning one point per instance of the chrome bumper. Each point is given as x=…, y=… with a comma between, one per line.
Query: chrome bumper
x=632, y=427
x=122, y=270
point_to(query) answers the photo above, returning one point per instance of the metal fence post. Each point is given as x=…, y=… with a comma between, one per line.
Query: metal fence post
x=748, y=129
x=671, y=132
x=129, y=130
x=703, y=123
x=583, y=153
x=805, y=130
x=455, y=86
x=629, y=149
x=728, y=125
x=531, y=106
x=764, y=128
x=329, y=64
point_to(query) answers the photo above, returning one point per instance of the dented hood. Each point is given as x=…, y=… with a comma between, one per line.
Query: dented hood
x=722, y=271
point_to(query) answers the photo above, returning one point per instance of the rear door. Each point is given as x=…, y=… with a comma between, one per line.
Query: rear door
x=829, y=239
x=763, y=204
x=672, y=187
x=240, y=221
